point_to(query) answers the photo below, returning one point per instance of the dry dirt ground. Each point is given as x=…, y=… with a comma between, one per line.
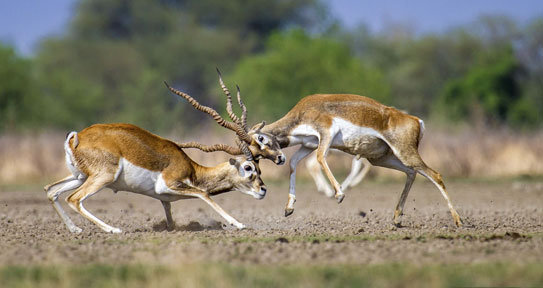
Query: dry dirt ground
x=504, y=223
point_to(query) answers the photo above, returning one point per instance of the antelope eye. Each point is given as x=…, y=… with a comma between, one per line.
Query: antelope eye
x=262, y=139
x=247, y=168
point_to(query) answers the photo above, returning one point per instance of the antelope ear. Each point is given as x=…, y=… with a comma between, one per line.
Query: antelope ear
x=258, y=126
x=234, y=162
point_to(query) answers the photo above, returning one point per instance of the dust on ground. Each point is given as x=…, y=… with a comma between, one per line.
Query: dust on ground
x=504, y=223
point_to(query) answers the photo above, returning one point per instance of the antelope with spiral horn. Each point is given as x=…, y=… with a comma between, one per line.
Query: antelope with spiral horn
x=124, y=157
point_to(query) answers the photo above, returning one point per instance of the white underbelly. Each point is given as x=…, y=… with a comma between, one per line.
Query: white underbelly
x=357, y=140
x=139, y=180
x=306, y=135
x=348, y=137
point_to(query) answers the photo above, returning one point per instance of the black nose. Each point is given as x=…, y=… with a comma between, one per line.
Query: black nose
x=281, y=159
x=263, y=189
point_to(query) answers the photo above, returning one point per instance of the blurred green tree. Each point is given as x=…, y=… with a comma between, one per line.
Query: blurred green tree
x=416, y=68
x=489, y=94
x=529, y=51
x=497, y=89
x=259, y=18
x=114, y=49
x=110, y=65
x=16, y=89
x=296, y=65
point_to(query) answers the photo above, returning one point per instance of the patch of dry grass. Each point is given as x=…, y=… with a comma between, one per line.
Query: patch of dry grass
x=31, y=157
x=469, y=153
x=472, y=153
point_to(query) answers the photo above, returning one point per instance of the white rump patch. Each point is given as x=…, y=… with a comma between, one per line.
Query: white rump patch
x=70, y=162
x=422, y=128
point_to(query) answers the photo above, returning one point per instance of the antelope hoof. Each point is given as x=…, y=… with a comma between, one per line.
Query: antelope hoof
x=339, y=197
x=290, y=205
x=75, y=229
x=115, y=231
x=457, y=220
x=459, y=223
x=396, y=219
x=289, y=211
x=239, y=226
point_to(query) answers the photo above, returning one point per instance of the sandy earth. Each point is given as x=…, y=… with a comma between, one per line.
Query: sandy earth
x=505, y=224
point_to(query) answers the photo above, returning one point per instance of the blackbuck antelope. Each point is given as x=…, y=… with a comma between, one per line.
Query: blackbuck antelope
x=359, y=169
x=354, y=124
x=359, y=126
x=124, y=157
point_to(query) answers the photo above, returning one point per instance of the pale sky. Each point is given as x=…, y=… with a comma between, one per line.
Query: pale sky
x=431, y=15
x=24, y=22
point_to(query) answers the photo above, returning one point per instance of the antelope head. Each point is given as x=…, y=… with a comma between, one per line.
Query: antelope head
x=248, y=179
x=265, y=145
x=261, y=145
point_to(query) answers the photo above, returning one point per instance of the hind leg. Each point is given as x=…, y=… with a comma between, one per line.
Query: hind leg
x=92, y=185
x=391, y=161
x=69, y=183
x=410, y=157
x=359, y=169
x=436, y=178
x=68, y=178
x=170, y=225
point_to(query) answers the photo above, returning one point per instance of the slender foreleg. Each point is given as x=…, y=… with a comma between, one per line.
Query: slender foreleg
x=299, y=155
x=322, y=150
x=204, y=196
x=170, y=225
x=315, y=171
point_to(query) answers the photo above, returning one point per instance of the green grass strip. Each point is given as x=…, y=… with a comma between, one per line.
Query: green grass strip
x=228, y=275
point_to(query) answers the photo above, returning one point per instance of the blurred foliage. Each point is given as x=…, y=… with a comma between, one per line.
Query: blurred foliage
x=110, y=64
x=296, y=65
x=482, y=74
x=487, y=93
x=15, y=89
x=496, y=89
x=416, y=68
